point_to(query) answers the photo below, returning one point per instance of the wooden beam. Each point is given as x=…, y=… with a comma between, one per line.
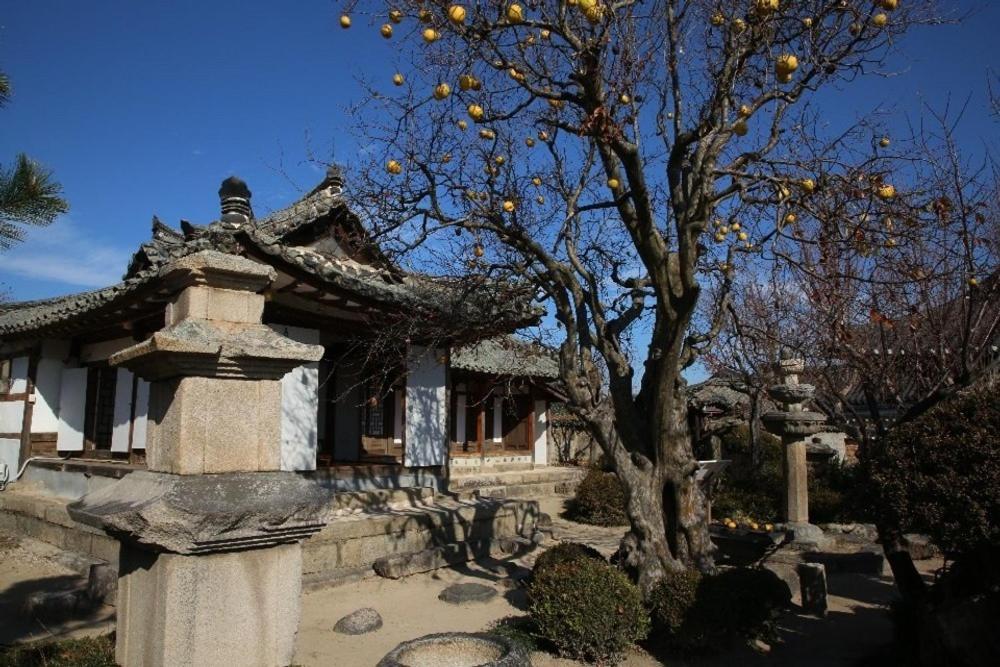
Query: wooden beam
x=29, y=408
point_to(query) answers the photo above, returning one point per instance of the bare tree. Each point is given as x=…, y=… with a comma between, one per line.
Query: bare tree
x=619, y=156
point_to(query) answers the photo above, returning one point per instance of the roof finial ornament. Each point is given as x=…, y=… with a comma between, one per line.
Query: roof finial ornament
x=335, y=178
x=234, y=197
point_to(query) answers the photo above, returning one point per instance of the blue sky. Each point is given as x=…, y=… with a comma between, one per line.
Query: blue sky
x=144, y=107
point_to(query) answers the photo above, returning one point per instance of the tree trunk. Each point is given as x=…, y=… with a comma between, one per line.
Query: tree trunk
x=668, y=513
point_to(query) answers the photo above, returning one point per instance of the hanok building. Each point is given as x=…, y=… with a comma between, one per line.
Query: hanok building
x=417, y=372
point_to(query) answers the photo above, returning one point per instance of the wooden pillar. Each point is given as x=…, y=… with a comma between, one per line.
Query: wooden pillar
x=29, y=406
x=480, y=422
x=529, y=429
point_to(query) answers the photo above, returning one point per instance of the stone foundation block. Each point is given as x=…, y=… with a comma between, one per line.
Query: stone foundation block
x=812, y=582
x=239, y=608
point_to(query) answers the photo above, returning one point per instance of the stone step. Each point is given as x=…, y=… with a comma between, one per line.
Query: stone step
x=380, y=500
x=403, y=565
x=538, y=483
x=352, y=543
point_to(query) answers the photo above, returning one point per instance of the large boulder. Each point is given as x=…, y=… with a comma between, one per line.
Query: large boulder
x=359, y=622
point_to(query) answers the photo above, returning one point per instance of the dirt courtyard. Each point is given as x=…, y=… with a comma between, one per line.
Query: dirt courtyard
x=855, y=628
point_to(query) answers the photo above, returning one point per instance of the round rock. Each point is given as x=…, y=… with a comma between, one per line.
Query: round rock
x=359, y=622
x=463, y=593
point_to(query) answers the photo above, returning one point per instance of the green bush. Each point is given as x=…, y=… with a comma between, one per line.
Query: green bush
x=694, y=612
x=85, y=652
x=565, y=552
x=940, y=473
x=671, y=602
x=599, y=500
x=587, y=609
x=746, y=490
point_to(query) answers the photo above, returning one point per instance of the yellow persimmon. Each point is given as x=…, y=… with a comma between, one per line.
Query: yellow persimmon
x=613, y=183
x=398, y=79
x=395, y=15
x=508, y=206
x=386, y=30
x=393, y=167
x=431, y=35
x=345, y=21
x=515, y=14
x=441, y=91
x=475, y=112
x=456, y=14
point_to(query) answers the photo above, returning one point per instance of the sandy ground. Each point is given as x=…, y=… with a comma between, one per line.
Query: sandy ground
x=29, y=566
x=856, y=626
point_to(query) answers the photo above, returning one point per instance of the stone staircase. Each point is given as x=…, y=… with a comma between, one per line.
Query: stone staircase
x=528, y=483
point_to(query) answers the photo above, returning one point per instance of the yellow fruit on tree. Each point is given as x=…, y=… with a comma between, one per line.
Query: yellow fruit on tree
x=393, y=167
x=743, y=236
x=886, y=191
x=735, y=226
x=880, y=20
x=766, y=6
x=475, y=112
x=546, y=34
x=530, y=141
x=724, y=229
x=499, y=159
x=613, y=183
x=431, y=35
x=462, y=124
x=508, y=206
x=973, y=282
x=466, y=82
x=594, y=14
x=740, y=127
x=515, y=14
x=516, y=75
x=791, y=219
x=785, y=192
x=398, y=79
x=888, y=5
x=441, y=91
x=739, y=25
x=395, y=15
x=808, y=185
x=345, y=21
x=624, y=98
x=487, y=134
x=536, y=180
x=386, y=30
x=587, y=4
x=855, y=29
x=478, y=250
x=807, y=22
x=786, y=64
x=456, y=14
x=720, y=237
x=718, y=18
x=744, y=111
x=884, y=142
x=543, y=135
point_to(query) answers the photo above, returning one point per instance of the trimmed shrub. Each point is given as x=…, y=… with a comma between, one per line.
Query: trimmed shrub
x=671, y=601
x=599, y=500
x=587, y=609
x=565, y=552
x=940, y=473
x=695, y=612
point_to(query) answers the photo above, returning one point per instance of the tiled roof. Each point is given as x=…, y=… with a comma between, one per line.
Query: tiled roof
x=493, y=307
x=505, y=355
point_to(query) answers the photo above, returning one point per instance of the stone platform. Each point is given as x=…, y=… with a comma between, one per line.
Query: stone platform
x=531, y=483
x=362, y=528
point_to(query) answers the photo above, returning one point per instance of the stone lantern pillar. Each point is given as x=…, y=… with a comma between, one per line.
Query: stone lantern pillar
x=793, y=424
x=211, y=559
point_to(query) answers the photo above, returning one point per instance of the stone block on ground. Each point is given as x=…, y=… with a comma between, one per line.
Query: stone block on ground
x=466, y=593
x=102, y=583
x=920, y=546
x=812, y=583
x=359, y=622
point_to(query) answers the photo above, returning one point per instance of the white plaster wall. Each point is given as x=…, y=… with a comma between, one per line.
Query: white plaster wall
x=299, y=406
x=19, y=376
x=10, y=451
x=141, y=414
x=497, y=419
x=11, y=416
x=72, y=400
x=426, y=408
x=45, y=414
x=123, y=411
x=541, y=433
x=104, y=349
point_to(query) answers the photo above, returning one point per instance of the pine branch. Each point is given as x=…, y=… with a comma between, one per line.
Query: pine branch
x=28, y=196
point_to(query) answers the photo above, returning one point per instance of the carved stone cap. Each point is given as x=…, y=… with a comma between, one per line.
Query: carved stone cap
x=218, y=269
x=200, y=514
x=800, y=424
x=206, y=348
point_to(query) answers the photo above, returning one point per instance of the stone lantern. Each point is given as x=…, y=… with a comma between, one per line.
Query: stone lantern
x=210, y=563
x=794, y=424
